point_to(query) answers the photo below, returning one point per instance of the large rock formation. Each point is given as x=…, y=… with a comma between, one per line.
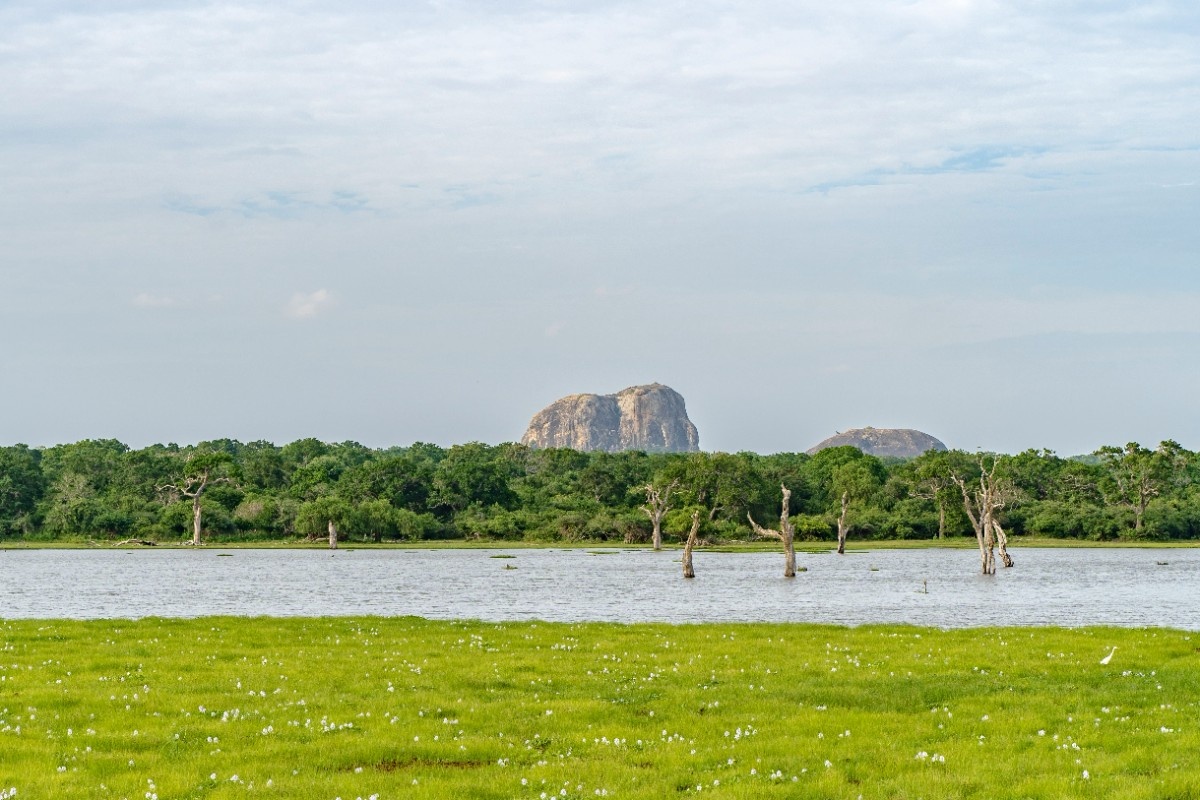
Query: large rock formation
x=898, y=442
x=651, y=418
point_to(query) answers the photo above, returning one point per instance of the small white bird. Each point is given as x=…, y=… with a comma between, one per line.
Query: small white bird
x=1108, y=657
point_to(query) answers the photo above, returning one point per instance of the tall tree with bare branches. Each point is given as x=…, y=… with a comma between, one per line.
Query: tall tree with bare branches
x=983, y=505
x=658, y=503
x=201, y=471
x=785, y=534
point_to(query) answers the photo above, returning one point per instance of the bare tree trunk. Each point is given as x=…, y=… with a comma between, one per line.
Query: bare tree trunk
x=332, y=536
x=658, y=503
x=982, y=506
x=988, y=546
x=1002, y=542
x=842, y=524
x=193, y=487
x=941, y=519
x=196, y=518
x=980, y=524
x=688, y=572
x=785, y=534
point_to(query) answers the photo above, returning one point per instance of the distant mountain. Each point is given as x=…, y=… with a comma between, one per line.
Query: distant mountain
x=897, y=442
x=651, y=418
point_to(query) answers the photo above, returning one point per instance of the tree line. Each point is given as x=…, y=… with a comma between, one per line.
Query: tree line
x=226, y=490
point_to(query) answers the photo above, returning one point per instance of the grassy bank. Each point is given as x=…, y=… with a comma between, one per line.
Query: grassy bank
x=355, y=708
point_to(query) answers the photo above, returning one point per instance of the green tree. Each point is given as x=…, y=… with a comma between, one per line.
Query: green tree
x=1135, y=474
x=929, y=478
x=473, y=473
x=854, y=482
x=323, y=516
x=262, y=467
x=728, y=486
x=404, y=481
x=610, y=477
x=316, y=477
x=201, y=470
x=22, y=485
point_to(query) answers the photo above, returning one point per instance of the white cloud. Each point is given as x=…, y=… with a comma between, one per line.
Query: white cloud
x=149, y=300
x=303, y=306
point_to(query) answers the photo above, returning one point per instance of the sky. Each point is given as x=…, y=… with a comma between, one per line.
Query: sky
x=425, y=221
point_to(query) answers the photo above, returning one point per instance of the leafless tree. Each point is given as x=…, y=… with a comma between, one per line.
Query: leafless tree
x=982, y=505
x=841, y=548
x=785, y=534
x=658, y=503
x=201, y=473
x=931, y=489
x=688, y=572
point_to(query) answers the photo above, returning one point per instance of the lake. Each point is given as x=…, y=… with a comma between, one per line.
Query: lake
x=938, y=587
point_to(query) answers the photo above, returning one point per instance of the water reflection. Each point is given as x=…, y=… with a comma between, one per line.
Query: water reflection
x=927, y=587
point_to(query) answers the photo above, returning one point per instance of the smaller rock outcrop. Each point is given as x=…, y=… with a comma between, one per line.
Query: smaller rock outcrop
x=651, y=418
x=896, y=442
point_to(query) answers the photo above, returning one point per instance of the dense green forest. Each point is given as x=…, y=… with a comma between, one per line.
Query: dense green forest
x=103, y=490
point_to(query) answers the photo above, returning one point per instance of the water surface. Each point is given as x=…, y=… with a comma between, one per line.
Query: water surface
x=939, y=587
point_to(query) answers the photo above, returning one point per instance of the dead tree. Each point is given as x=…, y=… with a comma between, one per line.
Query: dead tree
x=982, y=506
x=842, y=524
x=688, y=572
x=193, y=487
x=332, y=536
x=931, y=489
x=785, y=534
x=658, y=503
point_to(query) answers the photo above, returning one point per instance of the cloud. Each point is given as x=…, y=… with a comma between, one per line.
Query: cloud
x=303, y=306
x=148, y=300
x=273, y=204
x=188, y=205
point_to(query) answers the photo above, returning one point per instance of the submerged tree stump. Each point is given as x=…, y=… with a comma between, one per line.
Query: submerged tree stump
x=688, y=572
x=785, y=534
x=842, y=524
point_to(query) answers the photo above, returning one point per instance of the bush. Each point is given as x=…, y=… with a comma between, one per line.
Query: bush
x=414, y=527
x=912, y=519
x=814, y=527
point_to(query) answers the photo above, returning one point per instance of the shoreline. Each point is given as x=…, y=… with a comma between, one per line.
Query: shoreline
x=959, y=543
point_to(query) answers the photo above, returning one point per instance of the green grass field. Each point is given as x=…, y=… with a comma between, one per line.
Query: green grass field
x=398, y=708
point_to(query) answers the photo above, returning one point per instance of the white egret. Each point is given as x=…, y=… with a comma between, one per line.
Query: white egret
x=1108, y=657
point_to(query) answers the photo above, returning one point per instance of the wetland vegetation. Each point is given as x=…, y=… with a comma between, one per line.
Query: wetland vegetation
x=101, y=490
x=224, y=707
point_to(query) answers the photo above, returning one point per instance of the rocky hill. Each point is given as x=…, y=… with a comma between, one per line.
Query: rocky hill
x=899, y=442
x=651, y=418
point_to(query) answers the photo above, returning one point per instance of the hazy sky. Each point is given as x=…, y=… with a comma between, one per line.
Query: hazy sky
x=392, y=222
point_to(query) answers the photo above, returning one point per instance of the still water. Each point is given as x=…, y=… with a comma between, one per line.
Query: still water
x=1070, y=587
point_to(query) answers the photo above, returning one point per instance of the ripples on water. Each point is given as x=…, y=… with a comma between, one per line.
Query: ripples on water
x=1070, y=587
